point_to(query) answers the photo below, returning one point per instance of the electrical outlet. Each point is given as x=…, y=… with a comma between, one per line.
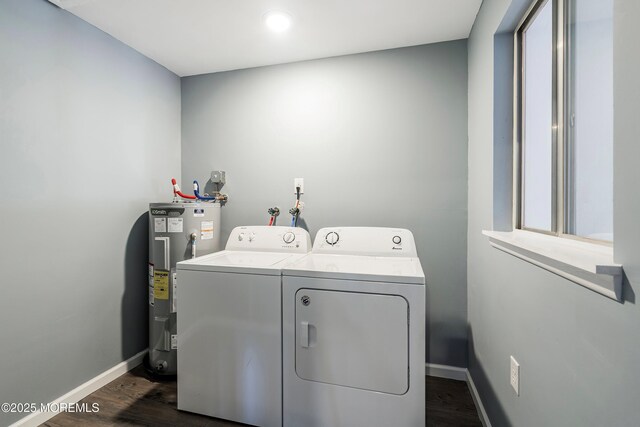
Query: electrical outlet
x=298, y=182
x=515, y=375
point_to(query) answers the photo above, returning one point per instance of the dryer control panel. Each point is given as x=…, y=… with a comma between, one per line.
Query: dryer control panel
x=373, y=241
x=269, y=238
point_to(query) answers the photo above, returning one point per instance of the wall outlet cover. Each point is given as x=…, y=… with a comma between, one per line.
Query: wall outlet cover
x=298, y=182
x=515, y=375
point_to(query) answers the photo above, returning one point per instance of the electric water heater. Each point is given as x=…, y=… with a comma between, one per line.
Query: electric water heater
x=177, y=231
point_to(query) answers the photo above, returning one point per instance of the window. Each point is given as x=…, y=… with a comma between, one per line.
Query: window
x=564, y=119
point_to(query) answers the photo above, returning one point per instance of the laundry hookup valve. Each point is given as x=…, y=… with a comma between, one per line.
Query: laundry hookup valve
x=273, y=213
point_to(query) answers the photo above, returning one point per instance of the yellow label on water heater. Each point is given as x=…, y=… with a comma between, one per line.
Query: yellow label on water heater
x=161, y=284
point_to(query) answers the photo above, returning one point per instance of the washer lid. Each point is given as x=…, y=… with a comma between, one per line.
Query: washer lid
x=248, y=262
x=358, y=267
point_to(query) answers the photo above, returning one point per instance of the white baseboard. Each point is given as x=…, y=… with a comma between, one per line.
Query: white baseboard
x=446, y=371
x=460, y=374
x=82, y=391
x=476, y=399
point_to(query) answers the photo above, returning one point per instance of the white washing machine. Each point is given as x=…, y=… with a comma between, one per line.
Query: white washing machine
x=229, y=326
x=354, y=331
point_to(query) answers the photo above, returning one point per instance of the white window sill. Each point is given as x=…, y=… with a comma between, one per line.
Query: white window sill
x=587, y=264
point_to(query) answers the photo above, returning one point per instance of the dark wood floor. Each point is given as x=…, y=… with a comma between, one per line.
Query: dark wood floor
x=135, y=399
x=449, y=404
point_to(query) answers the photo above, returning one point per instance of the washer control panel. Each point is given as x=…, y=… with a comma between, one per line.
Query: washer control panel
x=249, y=236
x=375, y=241
x=269, y=238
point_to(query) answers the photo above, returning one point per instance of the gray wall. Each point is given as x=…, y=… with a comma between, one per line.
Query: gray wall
x=380, y=139
x=89, y=134
x=578, y=351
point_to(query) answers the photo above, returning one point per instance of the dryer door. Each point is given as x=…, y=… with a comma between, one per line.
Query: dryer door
x=353, y=339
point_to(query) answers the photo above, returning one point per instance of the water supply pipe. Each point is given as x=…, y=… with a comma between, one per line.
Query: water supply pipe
x=196, y=192
x=177, y=192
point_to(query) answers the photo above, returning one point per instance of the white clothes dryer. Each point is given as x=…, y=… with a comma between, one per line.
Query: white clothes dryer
x=229, y=326
x=354, y=331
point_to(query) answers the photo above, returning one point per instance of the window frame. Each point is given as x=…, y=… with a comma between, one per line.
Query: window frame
x=562, y=204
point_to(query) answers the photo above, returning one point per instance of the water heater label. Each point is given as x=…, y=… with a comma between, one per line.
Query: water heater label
x=175, y=225
x=198, y=212
x=206, y=230
x=174, y=342
x=161, y=284
x=160, y=225
x=167, y=211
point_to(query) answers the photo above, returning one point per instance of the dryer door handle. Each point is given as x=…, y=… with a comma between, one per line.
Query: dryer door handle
x=308, y=335
x=304, y=334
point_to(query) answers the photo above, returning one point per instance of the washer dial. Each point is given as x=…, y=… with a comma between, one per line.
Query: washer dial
x=397, y=240
x=289, y=237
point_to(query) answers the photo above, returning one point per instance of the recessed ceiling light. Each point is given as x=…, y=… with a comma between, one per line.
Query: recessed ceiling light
x=277, y=22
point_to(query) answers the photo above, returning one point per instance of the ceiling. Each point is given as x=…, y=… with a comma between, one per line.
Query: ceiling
x=202, y=36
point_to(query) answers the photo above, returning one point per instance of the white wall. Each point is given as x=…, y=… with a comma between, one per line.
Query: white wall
x=89, y=134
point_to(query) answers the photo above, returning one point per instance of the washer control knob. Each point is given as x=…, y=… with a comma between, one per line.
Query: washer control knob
x=240, y=237
x=397, y=240
x=332, y=238
x=252, y=236
x=289, y=237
